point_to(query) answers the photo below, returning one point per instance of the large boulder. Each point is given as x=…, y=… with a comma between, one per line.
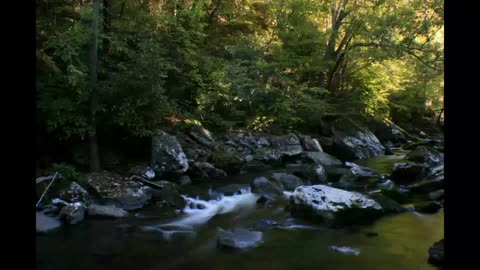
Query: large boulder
x=167, y=154
x=405, y=173
x=333, y=206
x=437, y=254
x=287, y=181
x=287, y=144
x=45, y=223
x=73, y=213
x=360, y=145
x=265, y=188
x=238, y=238
x=352, y=141
x=106, y=211
x=129, y=195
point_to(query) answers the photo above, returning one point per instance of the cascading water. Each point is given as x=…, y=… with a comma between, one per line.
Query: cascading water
x=198, y=212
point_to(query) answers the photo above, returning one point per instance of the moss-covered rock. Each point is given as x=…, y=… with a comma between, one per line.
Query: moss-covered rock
x=229, y=162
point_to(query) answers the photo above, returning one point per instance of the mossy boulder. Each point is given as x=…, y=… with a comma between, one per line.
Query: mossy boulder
x=229, y=162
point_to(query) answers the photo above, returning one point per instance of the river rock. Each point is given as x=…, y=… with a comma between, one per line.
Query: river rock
x=304, y=171
x=310, y=144
x=352, y=141
x=202, y=135
x=267, y=189
x=255, y=166
x=388, y=132
x=436, y=253
x=436, y=195
x=230, y=162
x=73, y=213
x=143, y=171
x=320, y=174
x=45, y=223
x=238, y=238
x=358, y=177
x=333, y=206
x=427, y=186
x=335, y=174
x=129, y=195
x=324, y=159
x=427, y=207
x=106, y=211
x=388, y=205
x=398, y=194
x=386, y=185
x=184, y=180
x=265, y=224
x=345, y=250
x=229, y=190
x=405, y=173
x=168, y=196
x=287, y=181
x=205, y=171
x=360, y=145
x=388, y=150
x=68, y=191
x=424, y=142
x=167, y=154
x=361, y=171
x=287, y=144
x=427, y=155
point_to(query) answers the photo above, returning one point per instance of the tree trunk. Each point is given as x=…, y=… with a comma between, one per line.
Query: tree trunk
x=107, y=22
x=330, y=56
x=94, y=154
x=439, y=117
x=122, y=9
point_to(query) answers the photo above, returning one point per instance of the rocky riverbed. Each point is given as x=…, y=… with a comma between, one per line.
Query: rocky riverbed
x=345, y=198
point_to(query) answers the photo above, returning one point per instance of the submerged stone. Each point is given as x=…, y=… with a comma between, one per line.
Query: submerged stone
x=238, y=238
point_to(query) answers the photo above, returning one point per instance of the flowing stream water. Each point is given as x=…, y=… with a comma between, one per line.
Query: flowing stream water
x=150, y=239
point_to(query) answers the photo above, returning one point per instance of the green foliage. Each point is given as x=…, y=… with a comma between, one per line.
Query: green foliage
x=241, y=64
x=65, y=171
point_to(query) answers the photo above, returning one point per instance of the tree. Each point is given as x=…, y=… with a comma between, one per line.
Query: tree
x=94, y=154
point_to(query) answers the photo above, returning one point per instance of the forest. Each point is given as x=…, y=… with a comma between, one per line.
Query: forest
x=239, y=134
x=273, y=66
